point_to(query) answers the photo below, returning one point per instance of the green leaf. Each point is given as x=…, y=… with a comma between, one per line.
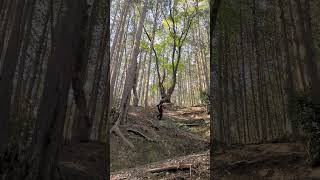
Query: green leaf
x=203, y=5
x=144, y=45
x=154, y=88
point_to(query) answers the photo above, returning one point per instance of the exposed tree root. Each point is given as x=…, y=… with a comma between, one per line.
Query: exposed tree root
x=187, y=134
x=180, y=167
x=140, y=134
x=116, y=130
x=194, y=124
x=140, y=127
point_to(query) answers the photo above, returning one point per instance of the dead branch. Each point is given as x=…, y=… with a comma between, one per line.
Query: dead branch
x=180, y=167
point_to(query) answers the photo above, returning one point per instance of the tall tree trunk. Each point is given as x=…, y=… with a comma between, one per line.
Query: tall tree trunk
x=142, y=79
x=8, y=17
x=115, y=73
x=253, y=91
x=296, y=40
x=97, y=77
x=215, y=119
x=7, y=76
x=225, y=80
x=146, y=102
x=48, y=133
x=219, y=127
x=313, y=69
x=244, y=80
x=117, y=58
x=105, y=116
x=135, y=82
x=21, y=68
x=37, y=61
x=310, y=55
x=123, y=16
x=261, y=119
x=126, y=95
x=83, y=121
x=289, y=81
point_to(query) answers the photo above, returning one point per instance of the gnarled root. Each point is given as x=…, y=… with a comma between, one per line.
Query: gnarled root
x=140, y=134
x=117, y=131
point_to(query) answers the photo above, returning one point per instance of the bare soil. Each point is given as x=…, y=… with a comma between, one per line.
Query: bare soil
x=199, y=169
x=83, y=161
x=274, y=161
x=177, y=147
x=180, y=138
x=279, y=161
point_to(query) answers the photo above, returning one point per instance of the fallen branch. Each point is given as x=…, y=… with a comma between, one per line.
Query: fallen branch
x=140, y=134
x=180, y=167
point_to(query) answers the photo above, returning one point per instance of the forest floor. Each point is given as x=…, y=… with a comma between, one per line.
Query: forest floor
x=179, y=141
x=274, y=161
x=177, y=148
x=83, y=161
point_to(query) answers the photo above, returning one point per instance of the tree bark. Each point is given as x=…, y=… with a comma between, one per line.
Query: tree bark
x=7, y=76
x=310, y=55
x=146, y=102
x=215, y=120
x=21, y=68
x=48, y=133
x=289, y=81
x=126, y=95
